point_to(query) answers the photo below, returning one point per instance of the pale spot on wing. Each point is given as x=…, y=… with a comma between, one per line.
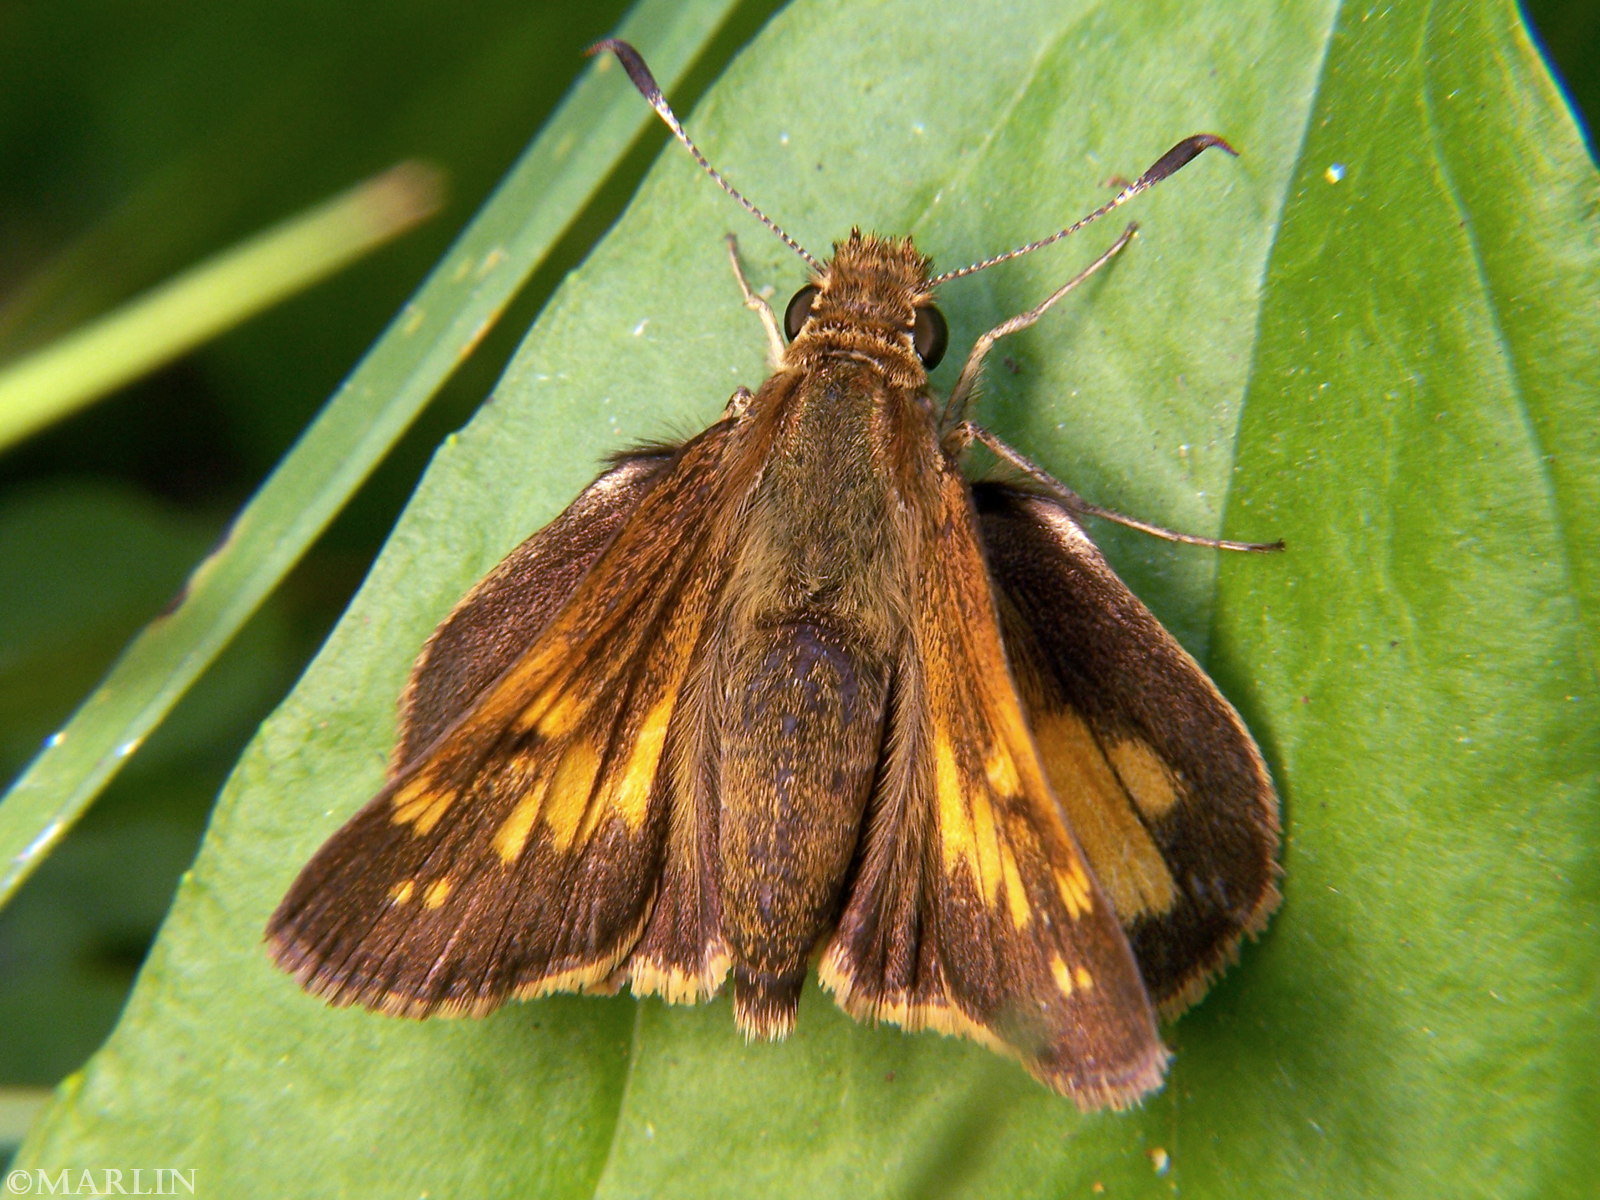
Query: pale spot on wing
x=1145, y=776
x=437, y=893
x=1002, y=773
x=567, y=799
x=419, y=805
x=1062, y=975
x=512, y=835
x=986, y=840
x=567, y=803
x=973, y=830
x=1084, y=980
x=1126, y=861
x=545, y=676
x=955, y=833
x=1016, y=894
x=630, y=796
x=586, y=977
x=671, y=984
x=1074, y=891
x=561, y=717
x=401, y=892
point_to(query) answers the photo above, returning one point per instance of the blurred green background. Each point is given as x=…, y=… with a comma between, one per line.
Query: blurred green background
x=136, y=139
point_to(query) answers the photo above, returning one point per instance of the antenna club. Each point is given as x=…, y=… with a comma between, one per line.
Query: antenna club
x=633, y=63
x=1170, y=163
x=1181, y=156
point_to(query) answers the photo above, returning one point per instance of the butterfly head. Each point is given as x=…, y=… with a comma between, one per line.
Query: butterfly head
x=872, y=300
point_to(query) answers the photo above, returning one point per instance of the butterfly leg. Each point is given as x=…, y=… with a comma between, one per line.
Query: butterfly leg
x=966, y=433
x=955, y=411
x=769, y=319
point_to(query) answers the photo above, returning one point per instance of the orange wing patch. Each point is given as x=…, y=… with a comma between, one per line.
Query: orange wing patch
x=1103, y=795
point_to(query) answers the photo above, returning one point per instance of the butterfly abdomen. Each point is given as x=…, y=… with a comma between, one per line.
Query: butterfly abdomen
x=790, y=818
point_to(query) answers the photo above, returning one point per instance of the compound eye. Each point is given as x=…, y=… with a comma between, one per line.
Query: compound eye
x=929, y=336
x=794, y=317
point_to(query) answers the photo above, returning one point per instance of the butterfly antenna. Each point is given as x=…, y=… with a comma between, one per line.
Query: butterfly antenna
x=1170, y=163
x=634, y=65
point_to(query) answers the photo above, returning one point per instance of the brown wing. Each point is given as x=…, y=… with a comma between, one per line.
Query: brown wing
x=495, y=623
x=524, y=845
x=973, y=910
x=1158, y=777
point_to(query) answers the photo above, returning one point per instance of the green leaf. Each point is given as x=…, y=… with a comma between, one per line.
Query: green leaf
x=84, y=565
x=1372, y=335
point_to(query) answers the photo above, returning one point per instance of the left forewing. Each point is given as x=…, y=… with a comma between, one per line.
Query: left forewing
x=522, y=851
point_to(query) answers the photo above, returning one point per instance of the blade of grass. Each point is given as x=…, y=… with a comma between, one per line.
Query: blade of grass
x=450, y=313
x=210, y=297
